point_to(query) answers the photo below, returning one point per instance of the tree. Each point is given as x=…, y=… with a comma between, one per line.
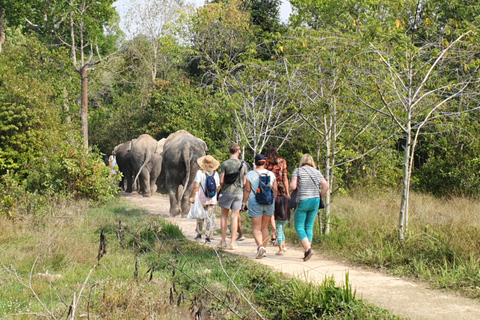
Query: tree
x=220, y=34
x=262, y=107
x=81, y=25
x=153, y=20
x=341, y=133
x=418, y=86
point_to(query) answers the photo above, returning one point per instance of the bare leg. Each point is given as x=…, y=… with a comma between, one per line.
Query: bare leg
x=274, y=227
x=265, y=222
x=257, y=230
x=224, y=224
x=233, y=231
x=306, y=244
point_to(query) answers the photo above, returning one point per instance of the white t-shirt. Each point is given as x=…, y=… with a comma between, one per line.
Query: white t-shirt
x=254, y=179
x=201, y=178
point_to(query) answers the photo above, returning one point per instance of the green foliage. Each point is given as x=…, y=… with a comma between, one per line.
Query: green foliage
x=178, y=104
x=36, y=149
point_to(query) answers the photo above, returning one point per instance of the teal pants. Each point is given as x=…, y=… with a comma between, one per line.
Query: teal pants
x=280, y=233
x=304, y=217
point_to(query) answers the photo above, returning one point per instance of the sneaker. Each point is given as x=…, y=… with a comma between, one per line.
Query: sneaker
x=284, y=249
x=233, y=247
x=260, y=251
x=222, y=245
x=240, y=237
x=308, y=254
x=198, y=237
x=264, y=254
x=280, y=253
x=208, y=241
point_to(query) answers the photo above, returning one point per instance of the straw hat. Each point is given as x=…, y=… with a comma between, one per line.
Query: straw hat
x=208, y=163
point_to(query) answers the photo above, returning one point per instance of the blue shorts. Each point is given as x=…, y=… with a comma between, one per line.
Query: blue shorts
x=258, y=210
x=230, y=201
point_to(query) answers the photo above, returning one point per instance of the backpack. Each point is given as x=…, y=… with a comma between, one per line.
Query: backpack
x=264, y=194
x=230, y=178
x=210, y=186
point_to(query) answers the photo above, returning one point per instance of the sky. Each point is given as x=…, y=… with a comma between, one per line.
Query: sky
x=123, y=5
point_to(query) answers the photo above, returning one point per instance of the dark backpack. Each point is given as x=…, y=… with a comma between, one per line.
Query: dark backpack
x=264, y=194
x=230, y=178
x=210, y=186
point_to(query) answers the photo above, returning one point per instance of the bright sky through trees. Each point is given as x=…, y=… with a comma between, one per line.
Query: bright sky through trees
x=122, y=7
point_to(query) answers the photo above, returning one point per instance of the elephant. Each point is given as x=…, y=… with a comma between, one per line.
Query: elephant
x=122, y=155
x=147, y=161
x=179, y=166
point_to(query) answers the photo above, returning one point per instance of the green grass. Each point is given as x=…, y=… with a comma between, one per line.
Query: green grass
x=156, y=273
x=442, y=247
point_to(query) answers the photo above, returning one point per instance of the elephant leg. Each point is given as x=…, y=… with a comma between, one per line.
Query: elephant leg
x=185, y=206
x=153, y=187
x=146, y=183
x=175, y=209
x=129, y=182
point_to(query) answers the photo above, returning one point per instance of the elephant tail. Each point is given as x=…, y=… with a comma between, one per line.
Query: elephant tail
x=188, y=168
x=147, y=158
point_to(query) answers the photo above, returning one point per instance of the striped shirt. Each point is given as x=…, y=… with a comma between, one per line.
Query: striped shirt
x=308, y=183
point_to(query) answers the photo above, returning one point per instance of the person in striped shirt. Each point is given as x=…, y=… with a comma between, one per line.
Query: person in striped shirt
x=307, y=180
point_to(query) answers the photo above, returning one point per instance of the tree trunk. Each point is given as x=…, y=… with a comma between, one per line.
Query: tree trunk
x=84, y=105
x=328, y=167
x=403, y=218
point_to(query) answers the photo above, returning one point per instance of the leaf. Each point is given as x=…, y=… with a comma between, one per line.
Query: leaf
x=398, y=23
x=281, y=48
x=428, y=20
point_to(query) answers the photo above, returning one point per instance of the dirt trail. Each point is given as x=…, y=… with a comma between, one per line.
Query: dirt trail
x=401, y=297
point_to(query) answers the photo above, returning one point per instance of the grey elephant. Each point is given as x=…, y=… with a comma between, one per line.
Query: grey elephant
x=180, y=153
x=147, y=161
x=122, y=155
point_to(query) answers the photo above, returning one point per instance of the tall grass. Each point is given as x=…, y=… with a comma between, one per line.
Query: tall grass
x=442, y=245
x=49, y=269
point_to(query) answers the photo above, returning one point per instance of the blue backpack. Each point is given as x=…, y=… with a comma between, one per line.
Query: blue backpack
x=210, y=186
x=264, y=194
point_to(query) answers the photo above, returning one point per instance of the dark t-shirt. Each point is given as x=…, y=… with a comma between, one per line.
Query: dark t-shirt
x=282, y=213
x=232, y=166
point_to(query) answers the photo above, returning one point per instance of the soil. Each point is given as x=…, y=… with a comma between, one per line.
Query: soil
x=405, y=298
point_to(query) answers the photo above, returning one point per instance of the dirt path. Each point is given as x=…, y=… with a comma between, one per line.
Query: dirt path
x=401, y=297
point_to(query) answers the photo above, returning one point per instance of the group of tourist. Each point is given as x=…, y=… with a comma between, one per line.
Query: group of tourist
x=237, y=187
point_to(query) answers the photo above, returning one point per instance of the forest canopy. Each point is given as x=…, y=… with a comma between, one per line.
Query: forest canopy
x=383, y=94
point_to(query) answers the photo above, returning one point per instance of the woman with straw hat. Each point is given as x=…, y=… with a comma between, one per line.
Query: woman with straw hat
x=208, y=165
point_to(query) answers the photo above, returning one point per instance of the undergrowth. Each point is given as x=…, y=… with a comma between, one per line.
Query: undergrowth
x=442, y=246
x=117, y=262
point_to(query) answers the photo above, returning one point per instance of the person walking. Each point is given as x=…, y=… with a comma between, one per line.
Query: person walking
x=260, y=214
x=232, y=181
x=278, y=166
x=282, y=216
x=203, y=178
x=307, y=181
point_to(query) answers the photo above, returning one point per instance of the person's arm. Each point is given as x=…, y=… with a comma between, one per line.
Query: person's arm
x=293, y=183
x=285, y=182
x=275, y=189
x=246, y=194
x=195, y=188
x=325, y=187
x=222, y=179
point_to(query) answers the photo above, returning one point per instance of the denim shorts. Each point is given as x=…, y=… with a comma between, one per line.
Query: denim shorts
x=258, y=210
x=230, y=201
